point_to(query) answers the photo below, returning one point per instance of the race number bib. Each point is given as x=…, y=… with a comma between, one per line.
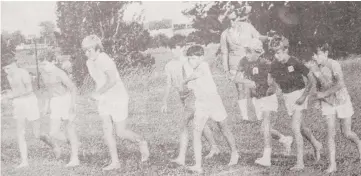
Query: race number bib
x=291, y=69
x=255, y=71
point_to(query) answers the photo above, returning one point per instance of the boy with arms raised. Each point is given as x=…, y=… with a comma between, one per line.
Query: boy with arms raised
x=175, y=76
x=25, y=106
x=62, y=101
x=112, y=99
x=208, y=104
x=335, y=100
x=256, y=76
x=289, y=74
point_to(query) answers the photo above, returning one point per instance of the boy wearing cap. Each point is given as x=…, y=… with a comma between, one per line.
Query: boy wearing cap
x=112, y=99
x=289, y=74
x=335, y=100
x=175, y=76
x=25, y=106
x=208, y=104
x=62, y=103
x=256, y=76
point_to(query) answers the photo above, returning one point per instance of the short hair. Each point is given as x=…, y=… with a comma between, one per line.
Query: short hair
x=195, y=50
x=278, y=43
x=307, y=53
x=7, y=59
x=92, y=41
x=48, y=55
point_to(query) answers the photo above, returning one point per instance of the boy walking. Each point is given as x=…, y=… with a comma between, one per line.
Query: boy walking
x=25, y=106
x=112, y=99
x=62, y=103
x=256, y=72
x=335, y=101
x=208, y=104
x=289, y=74
x=175, y=76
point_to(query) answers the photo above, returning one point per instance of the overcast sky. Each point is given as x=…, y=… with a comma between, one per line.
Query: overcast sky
x=26, y=16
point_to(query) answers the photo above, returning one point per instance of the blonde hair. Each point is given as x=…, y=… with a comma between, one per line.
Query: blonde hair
x=92, y=41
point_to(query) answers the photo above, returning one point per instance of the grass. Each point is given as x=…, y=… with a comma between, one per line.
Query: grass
x=162, y=130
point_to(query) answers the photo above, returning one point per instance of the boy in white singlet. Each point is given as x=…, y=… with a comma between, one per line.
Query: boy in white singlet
x=175, y=77
x=112, y=98
x=25, y=106
x=208, y=104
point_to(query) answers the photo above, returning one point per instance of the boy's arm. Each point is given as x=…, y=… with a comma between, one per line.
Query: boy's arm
x=109, y=68
x=26, y=79
x=337, y=71
x=70, y=85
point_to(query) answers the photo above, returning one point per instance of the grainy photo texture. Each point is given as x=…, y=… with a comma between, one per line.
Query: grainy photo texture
x=230, y=88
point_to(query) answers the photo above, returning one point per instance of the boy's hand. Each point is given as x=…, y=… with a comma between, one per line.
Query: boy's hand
x=320, y=95
x=301, y=100
x=164, y=108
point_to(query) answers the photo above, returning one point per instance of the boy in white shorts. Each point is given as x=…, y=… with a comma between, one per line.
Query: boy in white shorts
x=62, y=94
x=255, y=70
x=335, y=101
x=290, y=75
x=208, y=104
x=25, y=105
x=112, y=99
x=174, y=72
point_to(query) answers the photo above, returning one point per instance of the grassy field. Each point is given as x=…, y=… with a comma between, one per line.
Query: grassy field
x=161, y=130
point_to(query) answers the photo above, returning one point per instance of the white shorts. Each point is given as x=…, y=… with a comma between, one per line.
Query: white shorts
x=269, y=103
x=290, y=101
x=26, y=107
x=341, y=111
x=114, y=106
x=212, y=108
x=60, y=107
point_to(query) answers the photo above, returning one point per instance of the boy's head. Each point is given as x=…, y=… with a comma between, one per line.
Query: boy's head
x=47, y=60
x=8, y=63
x=255, y=50
x=321, y=53
x=280, y=45
x=92, y=46
x=195, y=55
x=239, y=14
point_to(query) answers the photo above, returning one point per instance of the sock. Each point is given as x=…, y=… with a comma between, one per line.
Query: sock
x=243, y=107
x=267, y=153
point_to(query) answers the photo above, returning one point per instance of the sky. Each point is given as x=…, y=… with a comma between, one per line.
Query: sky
x=26, y=15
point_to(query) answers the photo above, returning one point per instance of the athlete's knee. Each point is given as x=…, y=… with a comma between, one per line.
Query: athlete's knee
x=348, y=133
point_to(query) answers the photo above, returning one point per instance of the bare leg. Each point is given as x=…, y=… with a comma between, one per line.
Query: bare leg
x=125, y=133
x=331, y=132
x=317, y=146
x=20, y=124
x=74, y=142
x=207, y=132
x=230, y=140
x=350, y=135
x=198, y=126
x=265, y=160
x=296, y=128
x=184, y=138
x=55, y=135
x=110, y=140
x=45, y=138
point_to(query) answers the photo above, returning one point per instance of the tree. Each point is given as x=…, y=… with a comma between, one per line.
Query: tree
x=337, y=23
x=160, y=40
x=7, y=47
x=47, y=32
x=177, y=40
x=17, y=38
x=122, y=41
